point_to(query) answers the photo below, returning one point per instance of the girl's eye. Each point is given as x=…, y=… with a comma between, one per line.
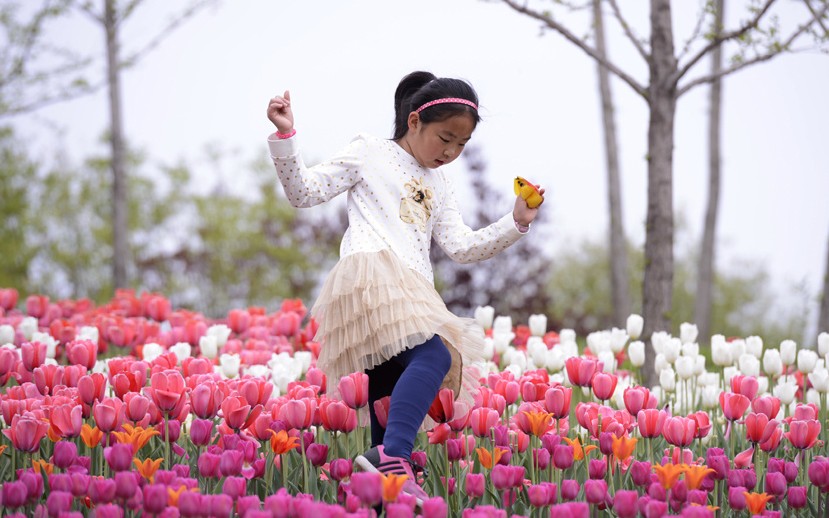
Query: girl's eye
x=445, y=141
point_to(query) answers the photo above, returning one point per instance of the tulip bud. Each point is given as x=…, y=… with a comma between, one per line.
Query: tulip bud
x=688, y=332
x=636, y=353
x=788, y=351
x=806, y=361
x=635, y=323
x=720, y=354
x=749, y=365
x=484, y=316
x=208, y=346
x=538, y=325
x=772, y=362
x=667, y=380
x=502, y=324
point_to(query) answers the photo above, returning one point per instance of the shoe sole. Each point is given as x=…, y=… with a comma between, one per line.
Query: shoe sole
x=366, y=465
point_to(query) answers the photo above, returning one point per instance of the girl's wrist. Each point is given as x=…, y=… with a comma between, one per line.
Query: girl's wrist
x=280, y=134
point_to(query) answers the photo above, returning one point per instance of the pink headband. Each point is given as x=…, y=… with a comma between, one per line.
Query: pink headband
x=447, y=100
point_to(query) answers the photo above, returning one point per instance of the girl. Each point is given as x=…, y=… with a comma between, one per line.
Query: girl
x=378, y=310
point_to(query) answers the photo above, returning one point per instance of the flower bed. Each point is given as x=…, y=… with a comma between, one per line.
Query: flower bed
x=136, y=409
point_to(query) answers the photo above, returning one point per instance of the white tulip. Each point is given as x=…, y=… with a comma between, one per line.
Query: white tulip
x=489, y=347
x=568, y=349
x=537, y=350
x=516, y=370
x=720, y=353
x=229, y=365
x=749, y=365
x=518, y=358
x=813, y=397
x=685, y=367
x=689, y=349
x=699, y=364
x=636, y=353
x=304, y=359
x=554, y=359
x=484, y=315
x=88, y=333
x=788, y=351
x=281, y=376
x=762, y=385
x=27, y=326
x=219, y=331
x=567, y=336
x=538, y=325
x=658, y=340
x=660, y=363
x=823, y=343
x=688, y=332
x=820, y=380
x=46, y=338
x=209, y=346
x=502, y=340
x=502, y=324
x=785, y=390
x=772, y=363
x=709, y=379
x=50, y=361
x=710, y=396
x=728, y=373
x=754, y=345
x=6, y=334
x=635, y=323
x=182, y=350
x=101, y=366
x=667, y=380
x=671, y=349
x=618, y=339
x=151, y=351
x=738, y=348
x=558, y=377
x=598, y=341
x=806, y=360
x=608, y=360
x=258, y=371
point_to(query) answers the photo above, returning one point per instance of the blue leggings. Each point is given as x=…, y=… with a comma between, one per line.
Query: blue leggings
x=412, y=379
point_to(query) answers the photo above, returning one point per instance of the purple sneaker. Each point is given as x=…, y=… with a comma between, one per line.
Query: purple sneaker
x=375, y=460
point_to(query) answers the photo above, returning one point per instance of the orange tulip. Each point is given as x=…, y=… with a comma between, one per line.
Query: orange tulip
x=135, y=435
x=3, y=448
x=282, y=443
x=40, y=465
x=669, y=473
x=488, y=460
x=756, y=502
x=172, y=496
x=579, y=452
x=91, y=436
x=694, y=475
x=623, y=447
x=392, y=485
x=147, y=468
x=538, y=423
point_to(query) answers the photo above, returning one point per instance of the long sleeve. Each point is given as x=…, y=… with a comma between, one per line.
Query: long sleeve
x=465, y=245
x=306, y=187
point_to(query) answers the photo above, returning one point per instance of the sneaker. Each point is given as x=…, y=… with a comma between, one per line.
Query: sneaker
x=375, y=460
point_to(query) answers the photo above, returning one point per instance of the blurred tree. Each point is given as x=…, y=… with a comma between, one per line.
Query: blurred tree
x=705, y=275
x=617, y=251
x=17, y=173
x=759, y=38
x=823, y=316
x=513, y=282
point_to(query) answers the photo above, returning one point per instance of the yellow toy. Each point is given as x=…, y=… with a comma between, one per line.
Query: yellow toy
x=528, y=191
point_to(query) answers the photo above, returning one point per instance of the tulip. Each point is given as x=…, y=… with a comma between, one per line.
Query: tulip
x=580, y=371
x=354, y=389
x=703, y=421
x=317, y=454
x=636, y=353
x=206, y=400
x=597, y=469
x=818, y=473
x=58, y=502
x=167, y=391
x=651, y=422
x=64, y=454
x=234, y=487
x=341, y=469
x=231, y=462
x=803, y=434
x=209, y=465
x=119, y=456
x=667, y=379
x=595, y=491
x=563, y=456
x=634, y=326
x=640, y=473
x=482, y=420
x=442, y=409
x=772, y=362
x=102, y=490
x=126, y=482
x=797, y=497
x=604, y=385
x=806, y=360
x=625, y=503
x=219, y=505
x=776, y=484
x=368, y=487
x=733, y=405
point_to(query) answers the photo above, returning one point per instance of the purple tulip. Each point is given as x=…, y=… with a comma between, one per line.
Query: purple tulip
x=549, y=441
x=317, y=454
x=790, y=471
x=697, y=511
x=541, y=495
x=220, y=506
x=33, y=483
x=819, y=474
x=80, y=485
x=606, y=443
x=126, y=482
x=393, y=510
x=597, y=469
x=454, y=449
x=595, y=491
x=657, y=492
x=569, y=489
x=541, y=457
x=655, y=509
x=797, y=497
x=475, y=485
x=435, y=508
x=246, y=504
x=720, y=464
x=102, y=490
x=234, y=487
x=60, y=482
x=341, y=469
x=624, y=503
x=119, y=456
x=209, y=465
x=191, y=503
x=165, y=476
x=640, y=472
x=368, y=487
x=570, y=510
x=278, y=503
x=776, y=484
x=737, y=497
x=58, y=502
x=231, y=463
x=680, y=491
x=201, y=431
x=65, y=454
x=698, y=497
x=108, y=511
x=563, y=456
x=155, y=498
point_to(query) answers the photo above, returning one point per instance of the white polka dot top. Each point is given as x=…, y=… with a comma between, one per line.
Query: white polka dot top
x=393, y=202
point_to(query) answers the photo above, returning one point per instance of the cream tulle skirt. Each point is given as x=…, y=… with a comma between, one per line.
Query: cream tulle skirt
x=372, y=307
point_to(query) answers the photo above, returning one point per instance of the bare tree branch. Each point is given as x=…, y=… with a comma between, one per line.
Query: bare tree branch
x=786, y=46
x=590, y=51
x=719, y=40
x=628, y=31
x=87, y=9
x=10, y=111
x=694, y=34
x=818, y=18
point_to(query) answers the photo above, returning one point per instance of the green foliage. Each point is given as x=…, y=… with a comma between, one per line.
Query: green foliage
x=17, y=173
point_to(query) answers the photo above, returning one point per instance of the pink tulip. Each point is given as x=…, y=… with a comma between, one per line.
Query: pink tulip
x=637, y=399
x=32, y=354
x=368, y=487
x=381, y=410
x=91, y=387
x=803, y=434
x=768, y=405
x=66, y=420
x=238, y=415
x=604, y=385
x=557, y=401
x=733, y=405
x=316, y=377
x=703, y=421
x=298, y=413
x=256, y=391
x=167, y=391
x=8, y=298
x=135, y=406
x=745, y=385
x=354, y=389
x=475, y=485
x=743, y=459
x=759, y=428
x=580, y=370
x=206, y=400
x=109, y=414
x=803, y=412
x=482, y=420
x=37, y=305
x=337, y=417
x=46, y=377
x=508, y=389
x=651, y=422
x=8, y=361
x=679, y=431
x=82, y=352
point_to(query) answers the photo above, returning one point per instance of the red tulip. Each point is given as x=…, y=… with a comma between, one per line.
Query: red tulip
x=703, y=421
x=109, y=414
x=580, y=371
x=439, y=434
x=771, y=444
x=26, y=432
x=238, y=415
x=733, y=405
x=679, y=431
x=481, y=420
x=354, y=389
x=745, y=385
x=442, y=409
x=803, y=434
x=604, y=385
x=167, y=390
x=651, y=422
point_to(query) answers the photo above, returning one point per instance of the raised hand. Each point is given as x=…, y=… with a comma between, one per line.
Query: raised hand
x=522, y=213
x=280, y=113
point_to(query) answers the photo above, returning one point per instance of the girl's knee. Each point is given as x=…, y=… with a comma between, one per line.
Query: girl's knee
x=443, y=359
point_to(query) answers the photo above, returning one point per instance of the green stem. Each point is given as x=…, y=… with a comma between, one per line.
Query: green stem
x=168, y=457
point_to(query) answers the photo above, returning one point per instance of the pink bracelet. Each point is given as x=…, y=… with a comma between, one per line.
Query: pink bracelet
x=283, y=136
x=521, y=228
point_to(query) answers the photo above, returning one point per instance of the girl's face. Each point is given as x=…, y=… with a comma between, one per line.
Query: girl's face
x=437, y=143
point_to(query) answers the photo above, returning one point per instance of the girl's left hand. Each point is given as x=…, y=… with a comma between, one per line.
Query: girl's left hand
x=523, y=214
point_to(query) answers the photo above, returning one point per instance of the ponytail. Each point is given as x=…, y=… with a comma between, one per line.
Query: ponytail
x=419, y=88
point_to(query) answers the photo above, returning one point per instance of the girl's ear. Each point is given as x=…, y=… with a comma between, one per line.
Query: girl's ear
x=414, y=121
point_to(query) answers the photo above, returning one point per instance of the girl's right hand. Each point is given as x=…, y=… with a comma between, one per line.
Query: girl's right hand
x=279, y=112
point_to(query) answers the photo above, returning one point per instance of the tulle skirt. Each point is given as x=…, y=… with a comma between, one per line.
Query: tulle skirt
x=372, y=307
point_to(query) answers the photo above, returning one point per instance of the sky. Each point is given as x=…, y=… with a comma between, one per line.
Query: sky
x=205, y=89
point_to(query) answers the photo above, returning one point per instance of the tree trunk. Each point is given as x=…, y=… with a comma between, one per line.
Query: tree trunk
x=705, y=273
x=120, y=252
x=619, y=281
x=657, y=288
x=823, y=317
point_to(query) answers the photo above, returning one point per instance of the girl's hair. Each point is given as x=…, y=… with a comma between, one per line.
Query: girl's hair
x=419, y=88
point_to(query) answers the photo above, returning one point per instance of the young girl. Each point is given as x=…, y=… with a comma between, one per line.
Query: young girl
x=378, y=310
